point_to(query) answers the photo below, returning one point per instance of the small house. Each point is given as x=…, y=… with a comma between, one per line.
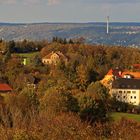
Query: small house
x=54, y=58
x=5, y=89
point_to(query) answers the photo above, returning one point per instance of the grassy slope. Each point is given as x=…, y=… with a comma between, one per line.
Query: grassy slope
x=117, y=116
x=28, y=55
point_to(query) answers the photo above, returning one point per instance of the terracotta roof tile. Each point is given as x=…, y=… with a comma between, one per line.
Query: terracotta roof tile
x=114, y=72
x=134, y=74
x=110, y=72
x=5, y=87
x=137, y=66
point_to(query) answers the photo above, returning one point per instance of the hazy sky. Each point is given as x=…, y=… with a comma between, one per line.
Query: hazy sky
x=69, y=10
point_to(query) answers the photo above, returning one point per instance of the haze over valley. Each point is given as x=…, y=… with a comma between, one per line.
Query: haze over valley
x=120, y=34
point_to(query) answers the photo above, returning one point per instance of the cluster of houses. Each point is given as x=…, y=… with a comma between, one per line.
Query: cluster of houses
x=29, y=80
x=51, y=59
x=124, y=85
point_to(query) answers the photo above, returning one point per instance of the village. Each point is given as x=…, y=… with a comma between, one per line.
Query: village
x=124, y=85
x=69, y=70
x=89, y=83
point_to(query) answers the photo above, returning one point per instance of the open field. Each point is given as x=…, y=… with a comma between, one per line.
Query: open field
x=117, y=116
x=29, y=56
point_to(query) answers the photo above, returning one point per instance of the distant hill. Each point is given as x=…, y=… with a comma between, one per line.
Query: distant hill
x=125, y=34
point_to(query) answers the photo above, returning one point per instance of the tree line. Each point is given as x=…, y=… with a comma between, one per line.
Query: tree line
x=68, y=102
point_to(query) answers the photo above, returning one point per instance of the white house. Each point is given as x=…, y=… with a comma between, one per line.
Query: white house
x=126, y=90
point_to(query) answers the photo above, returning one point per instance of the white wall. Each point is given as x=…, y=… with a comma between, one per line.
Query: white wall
x=127, y=95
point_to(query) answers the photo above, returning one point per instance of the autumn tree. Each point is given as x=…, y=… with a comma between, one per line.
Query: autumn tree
x=56, y=101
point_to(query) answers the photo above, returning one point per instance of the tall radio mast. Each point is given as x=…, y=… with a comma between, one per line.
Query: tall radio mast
x=107, y=25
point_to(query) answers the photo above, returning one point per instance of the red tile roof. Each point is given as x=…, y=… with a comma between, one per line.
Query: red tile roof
x=134, y=74
x=137, y=66
x=110, y=72
x=5, y=87
x=114, y=72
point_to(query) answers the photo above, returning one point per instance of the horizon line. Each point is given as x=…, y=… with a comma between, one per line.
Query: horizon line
x=45, y=22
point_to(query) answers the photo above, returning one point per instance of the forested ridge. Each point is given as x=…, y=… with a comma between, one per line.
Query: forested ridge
x=68, y=100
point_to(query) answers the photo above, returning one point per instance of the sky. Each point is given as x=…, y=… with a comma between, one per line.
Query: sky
x=30, y=11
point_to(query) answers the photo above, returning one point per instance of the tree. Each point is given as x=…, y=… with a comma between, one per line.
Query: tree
x=57, y=101
x=82, y=77
x=91, y=110
x=98, y=91
x=11, y=46
x=37, y=61
x=7, y=56
x=94, y=103
x=71, y=41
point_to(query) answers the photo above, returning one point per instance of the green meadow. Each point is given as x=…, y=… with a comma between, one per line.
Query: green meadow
x=29, y=56
x=116, y=116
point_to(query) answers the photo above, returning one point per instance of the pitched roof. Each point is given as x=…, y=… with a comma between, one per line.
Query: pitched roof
x=48, y=56
x=125, y=83
x=114, y=72
x=61, y=55
x=110, y=72
x=136, y=66
x=5, y=87
x=134, y=74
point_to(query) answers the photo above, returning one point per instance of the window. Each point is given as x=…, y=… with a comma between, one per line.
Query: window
x=120, y=91
x=128, y=86
x=134, y=97
x=133, y=91
x=123, y=96
x=128, y=91
x=131, y=97
x=123, y=86
x=118, y=96
x=135, y=86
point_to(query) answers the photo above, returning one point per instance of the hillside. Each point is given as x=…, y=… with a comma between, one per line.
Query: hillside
x=126, y=34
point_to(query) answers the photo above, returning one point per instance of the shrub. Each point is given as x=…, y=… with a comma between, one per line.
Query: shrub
x=59, y=101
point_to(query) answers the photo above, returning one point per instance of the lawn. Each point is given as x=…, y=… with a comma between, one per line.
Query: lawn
x=117, y=116
x=29, y=56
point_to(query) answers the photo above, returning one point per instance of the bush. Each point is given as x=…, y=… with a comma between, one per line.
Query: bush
x=22, y=135
x=91, y=110
x=59, y=101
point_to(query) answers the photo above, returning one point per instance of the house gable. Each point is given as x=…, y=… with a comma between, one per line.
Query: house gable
x=54, y=58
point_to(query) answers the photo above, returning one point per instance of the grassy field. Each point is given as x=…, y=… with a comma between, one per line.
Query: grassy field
x=117, y=116
x=29, y=56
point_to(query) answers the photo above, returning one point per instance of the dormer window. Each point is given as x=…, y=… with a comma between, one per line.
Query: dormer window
x=123, y=86
x=135, y=86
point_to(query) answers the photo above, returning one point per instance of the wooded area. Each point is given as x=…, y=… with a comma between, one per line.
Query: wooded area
x=63, y=101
